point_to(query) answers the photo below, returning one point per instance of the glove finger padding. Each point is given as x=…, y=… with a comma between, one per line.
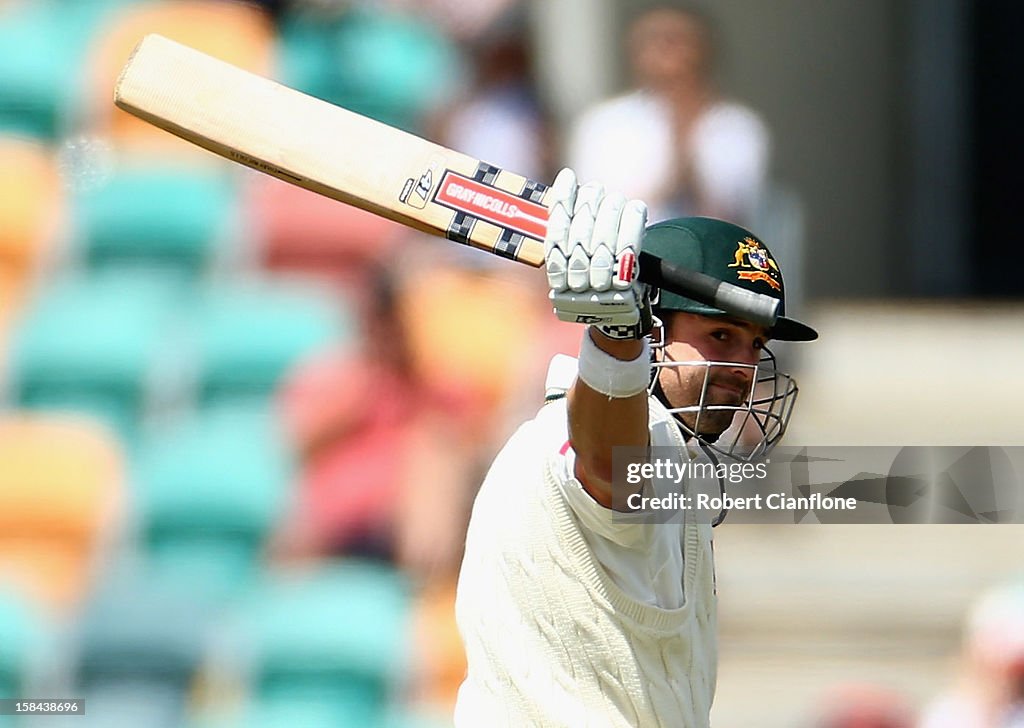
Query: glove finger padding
x=603, y=241
x=632, y=223
x=562, y=195
x=581, y=234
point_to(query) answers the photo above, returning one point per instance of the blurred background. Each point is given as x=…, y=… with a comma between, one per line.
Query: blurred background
x=241, y=426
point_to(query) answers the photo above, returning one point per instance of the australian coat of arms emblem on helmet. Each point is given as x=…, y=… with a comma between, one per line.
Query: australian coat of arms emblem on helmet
x=750, y=254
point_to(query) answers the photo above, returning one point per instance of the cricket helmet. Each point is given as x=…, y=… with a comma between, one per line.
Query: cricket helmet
x=726, y=252
x=732, y=254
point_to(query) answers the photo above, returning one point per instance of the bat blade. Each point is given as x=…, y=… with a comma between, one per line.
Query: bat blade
x=332, y=151
x=335, y=152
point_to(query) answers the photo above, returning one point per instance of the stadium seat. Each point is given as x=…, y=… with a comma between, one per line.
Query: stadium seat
x=20, y=636
x=44, y=43
x=389, y=66
x=138, y=646
x=157, y=216
x=250, y=334
x=60, y=497
x=95, y=345
x=208, y=492
x=30, y=212
x=332, y=643
x=237, y=32
x=297, y=713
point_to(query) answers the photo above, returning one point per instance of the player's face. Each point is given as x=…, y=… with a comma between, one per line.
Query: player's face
x=736, y=346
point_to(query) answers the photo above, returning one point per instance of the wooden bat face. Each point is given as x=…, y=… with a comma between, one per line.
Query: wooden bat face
x=332, y=151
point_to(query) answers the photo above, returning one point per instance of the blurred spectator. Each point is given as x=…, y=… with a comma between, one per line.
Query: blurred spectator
x=672, y=141
x=500, y=119
x=460, y=19
x=990, y=693
x=864, y=706
x=388, y=464
x=368, y=432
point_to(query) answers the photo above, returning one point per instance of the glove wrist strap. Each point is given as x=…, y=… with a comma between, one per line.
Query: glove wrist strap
x=633, y=331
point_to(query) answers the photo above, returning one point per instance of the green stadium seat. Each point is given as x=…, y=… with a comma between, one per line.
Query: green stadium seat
x=137, y=648
x=335, y=642
x=21, y=639
x=275, y=714
x=389, y=66
x=93, y=344
x=166, y=217
x=208, y=493
x=250, y=335
x=44, y=44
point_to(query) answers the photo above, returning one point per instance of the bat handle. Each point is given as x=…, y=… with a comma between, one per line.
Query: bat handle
x=704, y=289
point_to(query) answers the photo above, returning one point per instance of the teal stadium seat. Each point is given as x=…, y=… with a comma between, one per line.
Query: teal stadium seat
x=44, y=43
x=250, y=335
x=23, y=640
x=20, y=639
x=93, y=345
x=164, y=217
x=208, y=493
x=332, y=645
x=138, y=647
x=389, y=66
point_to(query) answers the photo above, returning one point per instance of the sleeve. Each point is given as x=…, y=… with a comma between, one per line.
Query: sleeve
x=629, y=530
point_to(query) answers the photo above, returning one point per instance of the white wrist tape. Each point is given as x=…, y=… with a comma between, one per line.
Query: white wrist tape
x=613, y=377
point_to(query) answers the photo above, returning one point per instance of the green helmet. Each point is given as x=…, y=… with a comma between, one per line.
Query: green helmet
x=726, y=252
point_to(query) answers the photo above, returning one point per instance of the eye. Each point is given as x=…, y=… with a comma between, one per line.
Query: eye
x=720, y=335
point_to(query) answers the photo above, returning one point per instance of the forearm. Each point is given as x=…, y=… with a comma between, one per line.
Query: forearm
x=598, y=423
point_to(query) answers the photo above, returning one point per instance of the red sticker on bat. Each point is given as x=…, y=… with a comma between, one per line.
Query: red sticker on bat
x=627, y=265
x=492, y=205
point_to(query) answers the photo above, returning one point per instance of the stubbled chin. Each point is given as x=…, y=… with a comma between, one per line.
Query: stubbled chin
x=713, y=425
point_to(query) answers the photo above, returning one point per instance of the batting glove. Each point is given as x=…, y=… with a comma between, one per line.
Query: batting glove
x=590, y=253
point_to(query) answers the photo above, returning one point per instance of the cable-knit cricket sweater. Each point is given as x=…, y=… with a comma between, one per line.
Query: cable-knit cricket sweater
x=551, y=638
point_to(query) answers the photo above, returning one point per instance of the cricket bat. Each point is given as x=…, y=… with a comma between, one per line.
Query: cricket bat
x=335, y=152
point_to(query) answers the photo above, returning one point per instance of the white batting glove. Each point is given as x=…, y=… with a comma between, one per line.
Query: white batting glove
x=590, y=253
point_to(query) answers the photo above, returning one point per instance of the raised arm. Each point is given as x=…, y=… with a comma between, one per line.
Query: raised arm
x=591, y=258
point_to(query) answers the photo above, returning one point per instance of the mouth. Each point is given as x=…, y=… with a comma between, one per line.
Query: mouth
x=733, y=391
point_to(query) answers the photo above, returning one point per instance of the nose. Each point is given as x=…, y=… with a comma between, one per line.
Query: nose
x=743, y=369
x=742, y=378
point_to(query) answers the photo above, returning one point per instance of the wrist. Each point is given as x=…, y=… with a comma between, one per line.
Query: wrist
x=620, y=371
